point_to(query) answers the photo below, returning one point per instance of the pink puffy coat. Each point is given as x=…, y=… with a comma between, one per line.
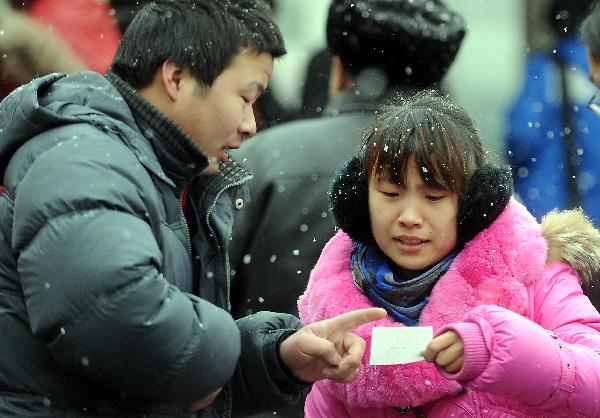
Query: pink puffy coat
x=532, y=339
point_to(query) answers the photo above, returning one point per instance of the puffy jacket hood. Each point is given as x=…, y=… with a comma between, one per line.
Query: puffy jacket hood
x=48, y=102
x=572, y=237
x=57, y=100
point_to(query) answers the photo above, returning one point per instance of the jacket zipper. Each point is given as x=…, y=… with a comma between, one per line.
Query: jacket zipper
x=212, y=206
x=214, y=235
x=182, y=205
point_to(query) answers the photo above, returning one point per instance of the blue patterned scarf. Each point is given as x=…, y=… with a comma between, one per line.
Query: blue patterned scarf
x=403, y=299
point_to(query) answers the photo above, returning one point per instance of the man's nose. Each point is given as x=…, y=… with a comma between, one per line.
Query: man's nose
x=248, y=126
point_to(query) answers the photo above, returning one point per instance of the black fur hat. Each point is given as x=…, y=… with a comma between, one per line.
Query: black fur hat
x=412, y=42
x=490, y=190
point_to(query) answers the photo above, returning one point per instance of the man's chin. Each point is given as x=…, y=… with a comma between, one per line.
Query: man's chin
x=211, y=169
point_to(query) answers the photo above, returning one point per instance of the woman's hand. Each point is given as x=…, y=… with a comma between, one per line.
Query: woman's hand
x=446, y=351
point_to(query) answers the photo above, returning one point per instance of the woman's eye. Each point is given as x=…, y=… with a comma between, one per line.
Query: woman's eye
x=389, y=194
x=434, y=198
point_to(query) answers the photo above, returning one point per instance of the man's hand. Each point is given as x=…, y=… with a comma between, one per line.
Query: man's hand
x=446, y=351
x=327, y=349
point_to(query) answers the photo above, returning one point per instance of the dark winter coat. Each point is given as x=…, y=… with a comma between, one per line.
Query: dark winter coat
x=279, y=235
x=99, y=279
x=536, y=140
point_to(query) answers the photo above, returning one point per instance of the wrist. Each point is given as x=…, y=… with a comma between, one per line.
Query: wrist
x=476, y=353
x=282, y=351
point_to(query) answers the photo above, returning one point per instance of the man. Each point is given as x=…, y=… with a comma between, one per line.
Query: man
x=380, y=49
x=114, y=300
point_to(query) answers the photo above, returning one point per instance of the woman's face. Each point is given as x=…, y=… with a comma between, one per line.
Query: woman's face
x=414, y=225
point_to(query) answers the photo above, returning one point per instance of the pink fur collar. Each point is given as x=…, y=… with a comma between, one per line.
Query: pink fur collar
x=493, y=268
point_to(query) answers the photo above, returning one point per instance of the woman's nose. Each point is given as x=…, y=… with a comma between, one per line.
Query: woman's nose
x=409, y=216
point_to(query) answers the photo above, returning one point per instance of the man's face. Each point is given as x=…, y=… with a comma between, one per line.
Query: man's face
x=220, y=116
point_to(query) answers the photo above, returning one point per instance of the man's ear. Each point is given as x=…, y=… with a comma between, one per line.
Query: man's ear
x=594, y=67
x=338, y=77
x=170, y=76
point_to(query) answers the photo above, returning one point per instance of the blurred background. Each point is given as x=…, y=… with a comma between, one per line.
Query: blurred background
x=486, y=77
x=521, y=73
x=513, y=98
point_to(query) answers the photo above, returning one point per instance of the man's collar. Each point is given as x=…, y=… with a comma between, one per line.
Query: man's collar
x=355, y=100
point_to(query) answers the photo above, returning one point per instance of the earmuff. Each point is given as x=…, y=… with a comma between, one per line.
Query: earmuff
x=349, y=199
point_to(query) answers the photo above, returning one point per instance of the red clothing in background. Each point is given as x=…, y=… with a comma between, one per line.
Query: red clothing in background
x=88, y=26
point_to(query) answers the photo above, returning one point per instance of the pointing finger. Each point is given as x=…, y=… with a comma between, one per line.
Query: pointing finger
x=350, y=320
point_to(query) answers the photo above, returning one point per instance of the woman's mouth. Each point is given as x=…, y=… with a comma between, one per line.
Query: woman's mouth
x=410, y=244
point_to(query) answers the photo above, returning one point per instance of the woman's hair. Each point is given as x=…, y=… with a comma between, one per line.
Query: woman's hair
x=437, y=133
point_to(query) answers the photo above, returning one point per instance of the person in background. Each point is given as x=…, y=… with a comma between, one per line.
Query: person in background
x=125, y=11
x=40, y=37
x=552, y=140
x=29, y=49
x=430, y=232
x=590, y=31
x=117, y=207
x=268, y=109
x=315, y=91
x=379, y=49
x=88, y=26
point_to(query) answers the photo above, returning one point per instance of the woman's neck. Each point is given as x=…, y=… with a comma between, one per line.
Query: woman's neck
x=406, y=274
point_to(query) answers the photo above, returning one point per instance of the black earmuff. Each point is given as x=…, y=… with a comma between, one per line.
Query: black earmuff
x=490, y=190
x=349, y=198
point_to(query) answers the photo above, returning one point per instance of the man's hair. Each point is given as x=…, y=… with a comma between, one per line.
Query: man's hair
x=413, y=42
x=590, y=31
x=201, y=35
x=437, y=133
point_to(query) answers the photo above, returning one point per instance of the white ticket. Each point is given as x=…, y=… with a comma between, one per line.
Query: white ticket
x=399, y=345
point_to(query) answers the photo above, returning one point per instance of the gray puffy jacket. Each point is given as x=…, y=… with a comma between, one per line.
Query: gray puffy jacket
x=97, y=286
